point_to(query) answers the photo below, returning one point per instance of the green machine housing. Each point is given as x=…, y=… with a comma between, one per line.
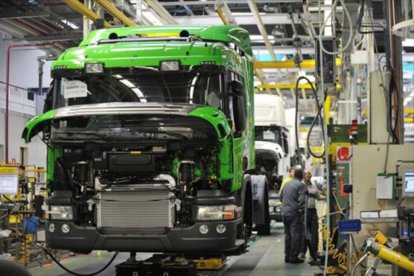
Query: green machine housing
x=150, y=139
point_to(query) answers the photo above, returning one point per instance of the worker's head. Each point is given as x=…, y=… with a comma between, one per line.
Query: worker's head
x=292, y=172
x=308, y=174
x=298, y=173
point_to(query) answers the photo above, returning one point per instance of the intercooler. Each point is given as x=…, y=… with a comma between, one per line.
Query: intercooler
x=136, y=206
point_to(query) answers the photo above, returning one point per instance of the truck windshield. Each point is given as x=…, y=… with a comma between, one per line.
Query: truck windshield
x=142, y=85
x=269, y=134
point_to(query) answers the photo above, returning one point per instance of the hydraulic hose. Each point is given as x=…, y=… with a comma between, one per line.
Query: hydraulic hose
x=299, y=158
x=317, y=117
x=358, y=264
x=73, y=272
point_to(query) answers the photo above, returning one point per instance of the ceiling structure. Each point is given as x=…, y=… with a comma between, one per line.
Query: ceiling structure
x=281, y=30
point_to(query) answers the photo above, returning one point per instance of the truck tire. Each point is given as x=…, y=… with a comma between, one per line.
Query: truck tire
x=264, y=229
x=261, y=216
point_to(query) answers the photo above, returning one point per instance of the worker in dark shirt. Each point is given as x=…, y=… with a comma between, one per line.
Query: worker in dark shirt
x=293, y=203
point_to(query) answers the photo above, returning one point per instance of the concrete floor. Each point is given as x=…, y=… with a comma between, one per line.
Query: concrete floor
x=265, y=257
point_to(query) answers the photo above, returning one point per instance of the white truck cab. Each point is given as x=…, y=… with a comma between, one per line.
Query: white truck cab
x=272, y=135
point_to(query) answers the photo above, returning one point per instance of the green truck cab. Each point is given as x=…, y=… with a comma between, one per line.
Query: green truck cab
x=150, y=137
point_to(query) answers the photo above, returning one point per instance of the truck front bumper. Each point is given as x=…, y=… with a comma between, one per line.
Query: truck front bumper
x=188, y=240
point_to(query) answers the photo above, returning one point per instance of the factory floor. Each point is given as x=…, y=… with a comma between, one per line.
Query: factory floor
x=265, y=257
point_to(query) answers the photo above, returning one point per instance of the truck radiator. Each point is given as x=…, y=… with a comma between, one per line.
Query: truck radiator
x=136, y=206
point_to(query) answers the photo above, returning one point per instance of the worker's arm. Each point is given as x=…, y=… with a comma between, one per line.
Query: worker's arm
x=319, y=196
x=281, y=196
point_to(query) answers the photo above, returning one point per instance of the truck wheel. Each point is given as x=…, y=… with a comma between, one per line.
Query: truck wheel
x=264, y=229
x=261, y=216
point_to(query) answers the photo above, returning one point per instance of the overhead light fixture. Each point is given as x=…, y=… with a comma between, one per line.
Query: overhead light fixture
x=70, y=24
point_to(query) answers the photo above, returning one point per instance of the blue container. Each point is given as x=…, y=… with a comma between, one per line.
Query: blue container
x=30, y=225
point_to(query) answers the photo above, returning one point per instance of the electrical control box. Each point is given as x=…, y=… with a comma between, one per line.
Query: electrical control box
x=385, y=186
x=328, y=61
x=408, y=183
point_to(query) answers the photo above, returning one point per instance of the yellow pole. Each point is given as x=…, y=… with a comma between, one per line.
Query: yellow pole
x=84, y=10
x=289, y=86
x=307, y=63
x=395, y=258
x=112, y=9
x=327, y=108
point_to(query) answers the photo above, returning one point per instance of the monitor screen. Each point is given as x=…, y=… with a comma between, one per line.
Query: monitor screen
x=408, y=183
x=8, y=183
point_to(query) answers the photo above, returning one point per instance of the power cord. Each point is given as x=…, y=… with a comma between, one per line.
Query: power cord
x=73, y=272
x=351, y=30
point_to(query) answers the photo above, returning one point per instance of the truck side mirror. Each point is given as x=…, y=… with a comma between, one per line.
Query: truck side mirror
x=236, y=87
x=239, y=106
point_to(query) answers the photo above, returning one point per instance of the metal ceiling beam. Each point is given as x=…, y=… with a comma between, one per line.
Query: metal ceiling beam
x=162, y=12
x=224, y=13
x=84, y=10
x=115, y=12
x=242, y=19
x=263, y=32
x=11, y=29
x=219, y=10
x=63, y=37
x=212, y=2
x=262, y=29
x=44, y=26
x=23, y=15
x=22, y=26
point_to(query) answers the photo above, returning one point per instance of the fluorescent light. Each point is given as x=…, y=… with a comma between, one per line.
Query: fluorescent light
x=70, y=24
x=408, y=42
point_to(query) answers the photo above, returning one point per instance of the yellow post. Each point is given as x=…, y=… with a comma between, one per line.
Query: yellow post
x=84, y=10
x=327, y=108
x=394, y=257
x=112, y=9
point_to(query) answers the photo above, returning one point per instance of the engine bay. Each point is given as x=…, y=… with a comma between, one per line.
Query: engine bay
x=140, y=178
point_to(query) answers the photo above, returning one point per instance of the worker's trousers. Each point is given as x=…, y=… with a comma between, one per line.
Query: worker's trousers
x=293, y=236
x=310, y=237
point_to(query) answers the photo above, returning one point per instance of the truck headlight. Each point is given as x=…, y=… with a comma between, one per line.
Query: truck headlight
x=94, y=68
x=61, y=212
x=217, y=212
x=173, y=65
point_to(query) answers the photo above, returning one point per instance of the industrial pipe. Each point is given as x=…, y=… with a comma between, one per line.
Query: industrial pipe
x=6, y=116
x=112, y=9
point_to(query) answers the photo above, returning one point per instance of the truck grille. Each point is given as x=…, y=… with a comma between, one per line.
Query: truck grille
x=136, y=206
